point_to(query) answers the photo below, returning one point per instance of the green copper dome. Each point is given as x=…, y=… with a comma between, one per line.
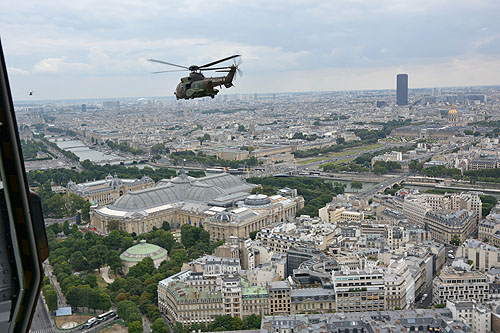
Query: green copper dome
x=143, y=250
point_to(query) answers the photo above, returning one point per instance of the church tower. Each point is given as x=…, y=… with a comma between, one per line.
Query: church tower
x=453, y=115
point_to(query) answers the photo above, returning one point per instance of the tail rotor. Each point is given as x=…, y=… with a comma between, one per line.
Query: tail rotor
x=237, y=62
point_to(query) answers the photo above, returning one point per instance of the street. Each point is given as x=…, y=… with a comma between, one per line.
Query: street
x=61, y=300
x=41, y=322
x=428, y=300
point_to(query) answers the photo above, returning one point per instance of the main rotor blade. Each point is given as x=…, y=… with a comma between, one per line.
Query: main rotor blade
x=218, y=61
x=175, y=70
x=238, y=61
x=167, y=63
x=215, y=68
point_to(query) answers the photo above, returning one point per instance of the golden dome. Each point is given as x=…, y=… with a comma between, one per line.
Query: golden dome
x=452, y=111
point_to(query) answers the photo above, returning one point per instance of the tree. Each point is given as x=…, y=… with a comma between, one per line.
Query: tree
x=66, y=228
x=205, y=137
x=128, y=311
x=157, y=148
x=68, y=282
x=72, y=296
x=356, y=185
x=488, y=202
x=340, y=141
x=178, y=328
x=413, y=166
x=84, y=296
x=126, y=243
x=74, y=230
x=241, y=128
x=237, y=323
x=135, y=327
x=166, y=226
x=46, y=281
x=316, y=123
x=114, y=261
x=225, y=322
x=379, y=170
x=56, y=228
x=455, y=240
x=253, y=234
x=159, y=326
x=153, y=313
x=113, y=225
x=91, y=280
x=85, y=212
x=50, y=297
x=93, y=298
x=113, y=240
x=97, y=255
x=78, y=261
x=104, y=301
x=252, y=322
x=56, y=206
x=145, y=266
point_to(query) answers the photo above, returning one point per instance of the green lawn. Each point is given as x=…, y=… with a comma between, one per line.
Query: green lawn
x=100, y=281
x=312, y=160
x=341, y=153
x=356, y=150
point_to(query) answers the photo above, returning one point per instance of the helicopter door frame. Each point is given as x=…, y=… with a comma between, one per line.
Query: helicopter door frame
x=21, y=216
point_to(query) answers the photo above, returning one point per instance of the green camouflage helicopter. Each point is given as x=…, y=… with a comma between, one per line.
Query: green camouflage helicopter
x=196, y=84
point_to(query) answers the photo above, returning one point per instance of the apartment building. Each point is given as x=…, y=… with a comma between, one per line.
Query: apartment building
x=399, y=286
x=482, y=256
x=477, y=316
x=359, y=290
x=445, y=225
x=279, y=297
x=333, y=213
x=459, y=285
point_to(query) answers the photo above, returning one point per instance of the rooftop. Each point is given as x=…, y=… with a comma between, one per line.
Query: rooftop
x=143, y=250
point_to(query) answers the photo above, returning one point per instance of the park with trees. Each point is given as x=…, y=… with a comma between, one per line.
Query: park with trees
x=77, y=260
x=317, y=192
x=210, y=160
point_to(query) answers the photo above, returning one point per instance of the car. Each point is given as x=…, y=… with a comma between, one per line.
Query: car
x=450, y=251
x=451, y=256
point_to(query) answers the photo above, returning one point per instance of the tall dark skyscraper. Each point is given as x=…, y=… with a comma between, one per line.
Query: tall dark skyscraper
x=402, y=89
x=84, y=107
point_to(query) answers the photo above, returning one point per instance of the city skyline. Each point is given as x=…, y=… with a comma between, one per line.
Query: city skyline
x=61, y=52
x=30, y=101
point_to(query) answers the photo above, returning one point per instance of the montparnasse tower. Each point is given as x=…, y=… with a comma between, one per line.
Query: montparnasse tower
x=453, y=115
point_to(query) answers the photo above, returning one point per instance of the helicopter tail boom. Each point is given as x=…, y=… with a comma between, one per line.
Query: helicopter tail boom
x=229, y=77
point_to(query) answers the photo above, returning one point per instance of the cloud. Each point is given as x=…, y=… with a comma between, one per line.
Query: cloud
x=59, y=65
x=17, y=71
x=129, y=56
x=114, y=38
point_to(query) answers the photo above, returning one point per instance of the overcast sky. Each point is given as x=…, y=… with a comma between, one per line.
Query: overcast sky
x=97, y=49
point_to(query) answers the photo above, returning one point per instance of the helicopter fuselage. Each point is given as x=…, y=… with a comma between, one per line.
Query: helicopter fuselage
x=197, y=85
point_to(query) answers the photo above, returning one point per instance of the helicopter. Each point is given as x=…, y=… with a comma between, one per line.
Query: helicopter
x=196, y=84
